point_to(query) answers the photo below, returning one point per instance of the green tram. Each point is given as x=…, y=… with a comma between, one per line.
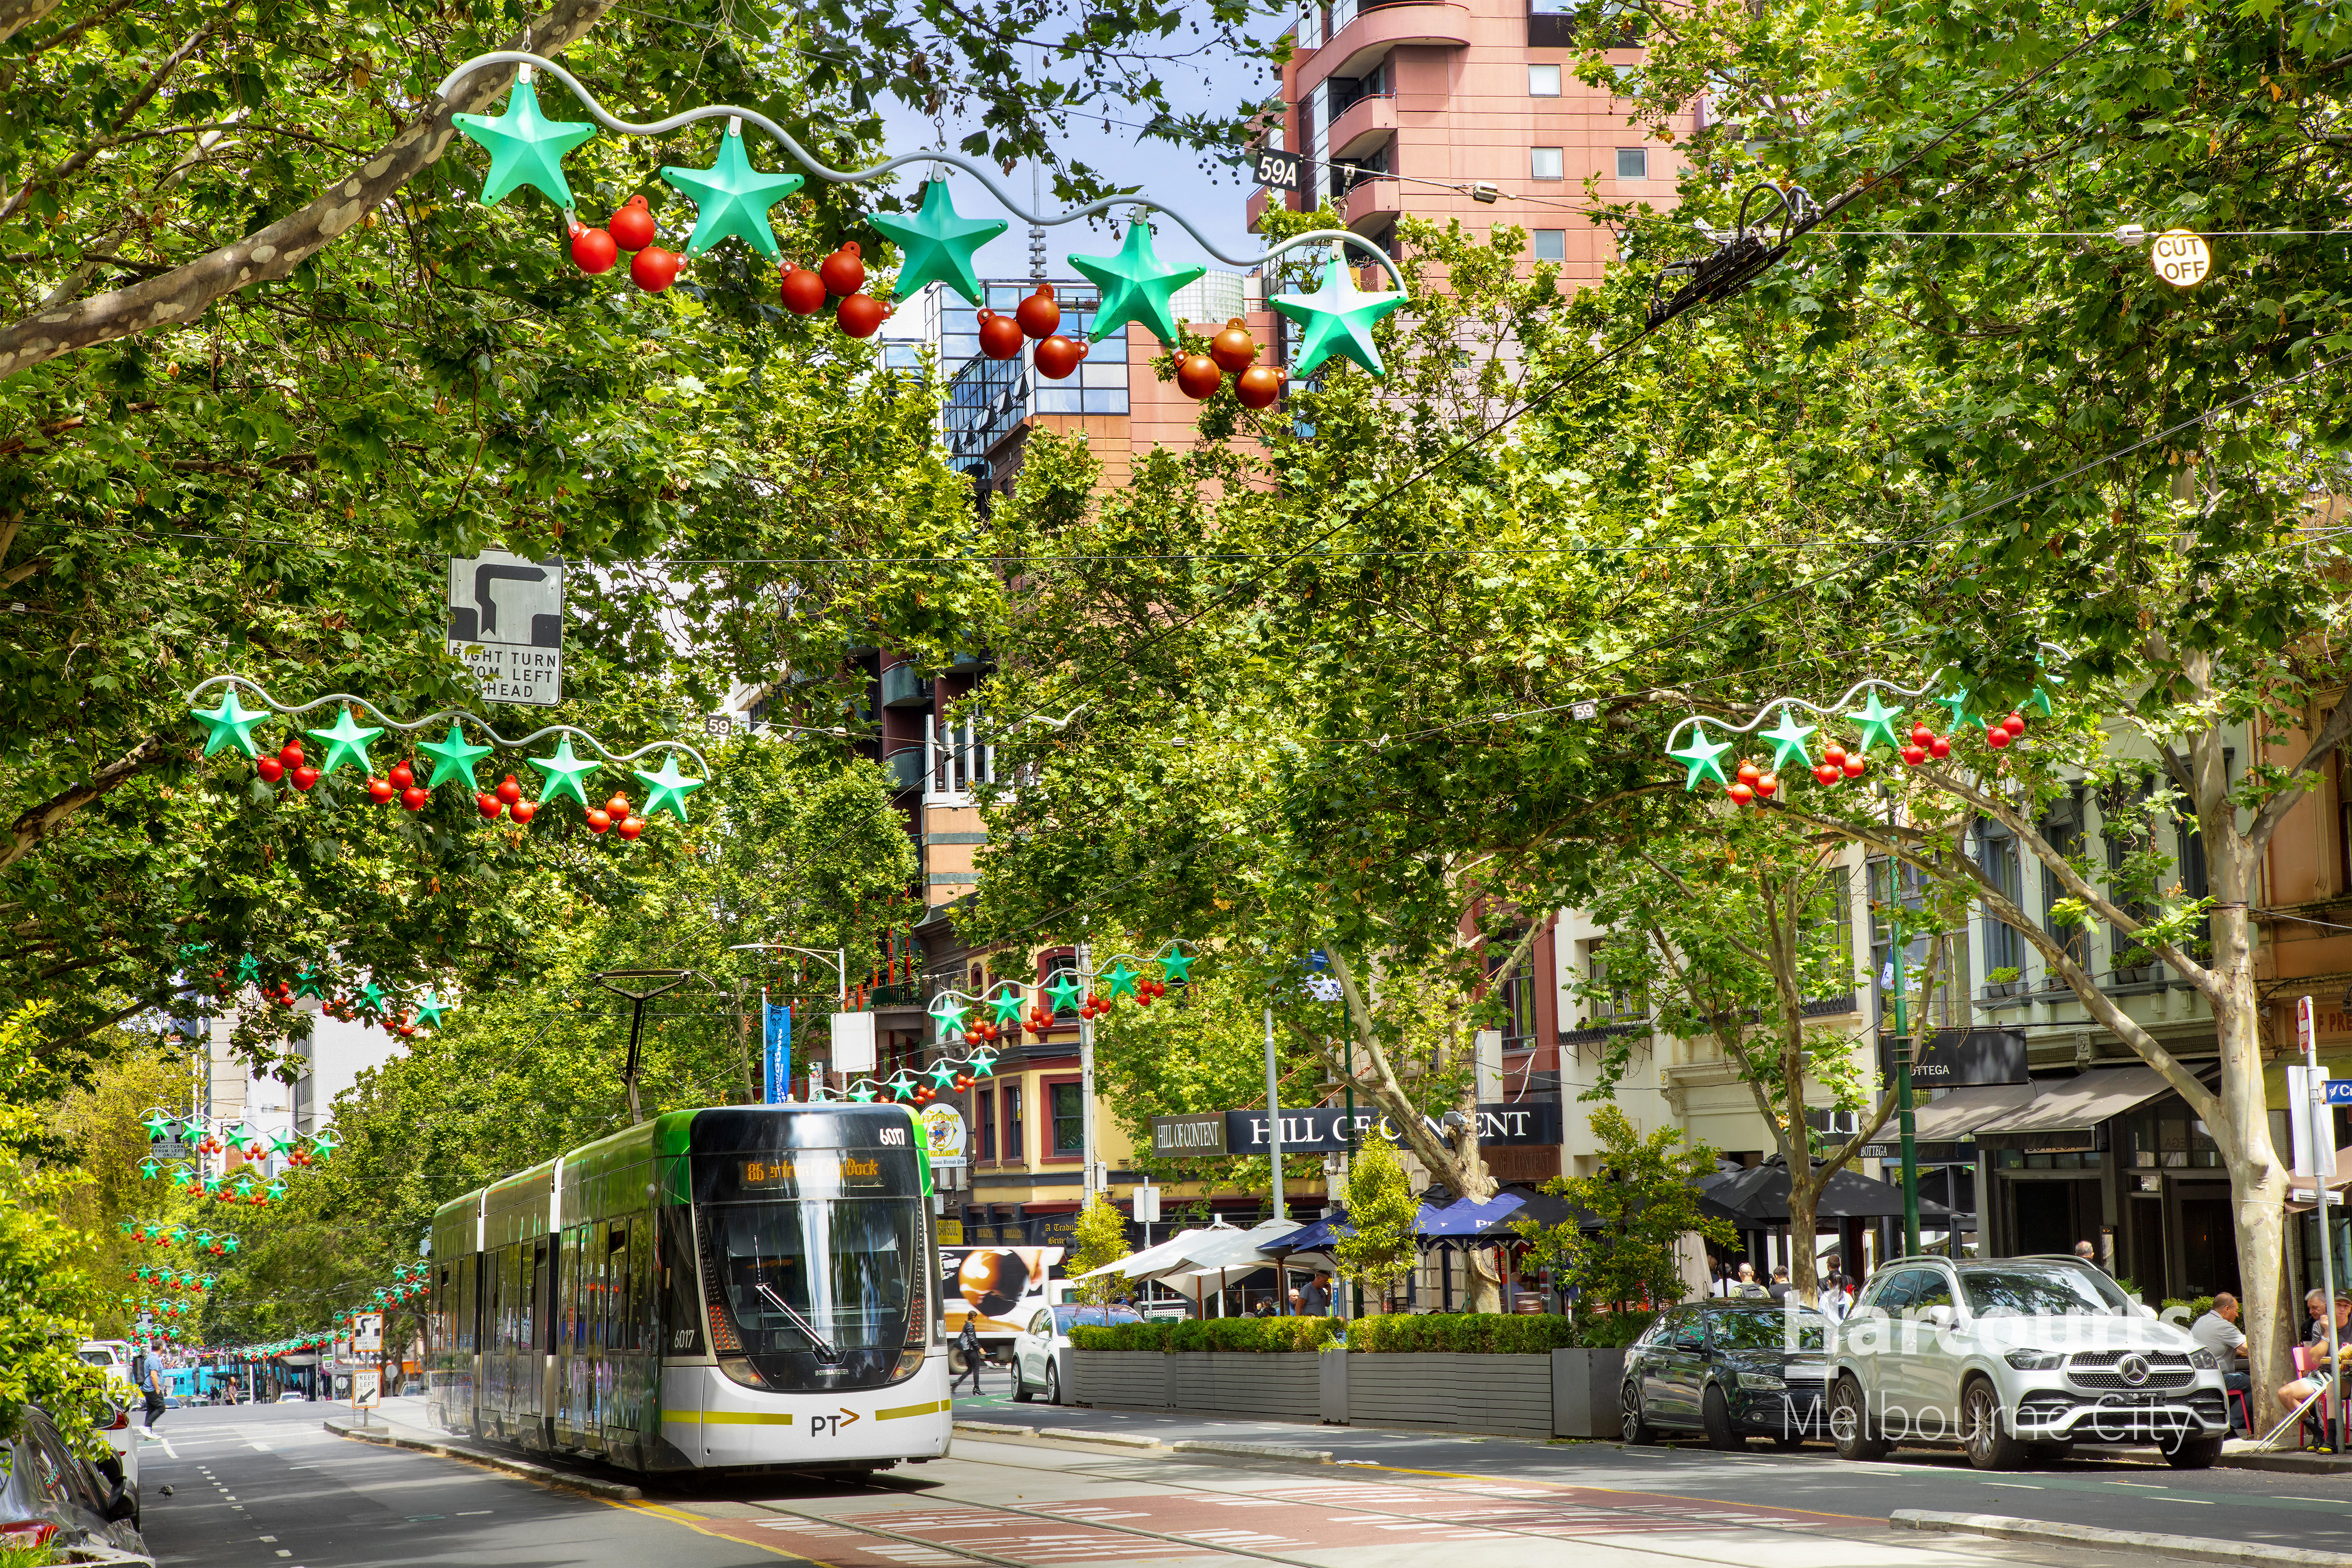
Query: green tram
x=737, y=1285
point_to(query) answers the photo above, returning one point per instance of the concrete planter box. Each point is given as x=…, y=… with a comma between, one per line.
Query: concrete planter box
x=1585, y=1385
x=1136, y=1379
x=1510, y=1396
x=1331, y=1370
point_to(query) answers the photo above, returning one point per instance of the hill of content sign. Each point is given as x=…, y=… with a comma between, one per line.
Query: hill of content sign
x=506, y=621
x=1321, y=1129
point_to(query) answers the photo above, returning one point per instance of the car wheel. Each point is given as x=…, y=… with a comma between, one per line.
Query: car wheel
x=1850, y=1422
x=1020, y=1384
x=1715, y=1414
x=2191, y=1453
x=1633, y=1420
x=1984, y=1429
x=1053, y=1383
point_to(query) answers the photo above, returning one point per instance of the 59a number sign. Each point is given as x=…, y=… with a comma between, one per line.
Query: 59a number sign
x=1273, y=168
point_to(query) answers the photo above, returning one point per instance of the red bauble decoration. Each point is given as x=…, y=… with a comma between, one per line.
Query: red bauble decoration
x=1741, y=795
x=1766, y=786
x=416, y=797
x=522, y=811
x=1939, y=747
x=594, y=250
x=843, y=272
x=802, y=291
x=305, y=776
x=1232, y=349
x=632, y=226
x=631, y=827
x=1258, y=386
x=1826, y=774
x=270, y=769
x=507, y=790
x=1913, y=755
x=489, y=806
x=1750, y=773
x=290, y=753
x=617, y=807
x=653, y=269
x=598, y=821
x=401, y=775
x=1039, y=315
x=1833, y=755
x=2014, y=723
x=999, y=336
x=1057, y=356
x=1856, y=765
x=1922, y=735
x=1198, y=377
x=1999, y=736
x=381, y=790
x=861, y=315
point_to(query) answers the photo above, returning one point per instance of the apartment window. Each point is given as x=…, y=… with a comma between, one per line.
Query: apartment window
x=2062, y=829
x=1632, y=163
x=2125, y=829
x=1518, y=995
x=1551, y=244
x=1544, y=163
x=1015, y=1151
x=1608, y=1003
x=1543, y=81
x=1827, y=928
x=983, y=1125
x=2004, y=947
x=1069, y=1119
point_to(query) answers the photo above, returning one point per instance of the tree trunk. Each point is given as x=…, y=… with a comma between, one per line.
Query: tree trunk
x=2258, y=1181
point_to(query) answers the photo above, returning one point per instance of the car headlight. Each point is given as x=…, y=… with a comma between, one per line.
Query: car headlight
x=1758, y=1380
x=2034, y=1361
x=2204, y=1361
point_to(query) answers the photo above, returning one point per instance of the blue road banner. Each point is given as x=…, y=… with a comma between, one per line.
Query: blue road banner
x=778, y=1043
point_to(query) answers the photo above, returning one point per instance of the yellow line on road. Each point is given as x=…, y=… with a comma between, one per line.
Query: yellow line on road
x=674, y=1516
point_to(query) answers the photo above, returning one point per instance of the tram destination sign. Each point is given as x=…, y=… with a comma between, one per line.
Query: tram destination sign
x=1322, y=1129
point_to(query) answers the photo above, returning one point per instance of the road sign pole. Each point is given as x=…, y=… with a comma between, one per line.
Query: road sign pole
x=1906, y=1122
x=2321, y=1142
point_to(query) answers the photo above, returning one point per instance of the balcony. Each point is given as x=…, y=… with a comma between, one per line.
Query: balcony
x=905, y=767
x=1364, y=126
x=1365, y=41
x=1373, y=205
x=904, y=686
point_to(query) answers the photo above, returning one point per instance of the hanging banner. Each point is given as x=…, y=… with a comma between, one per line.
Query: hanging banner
x=777, y=1044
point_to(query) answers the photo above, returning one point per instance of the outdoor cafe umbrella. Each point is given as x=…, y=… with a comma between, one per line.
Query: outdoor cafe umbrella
x=1758, y=1197
x=1217, y=1261
x=1152, y=1261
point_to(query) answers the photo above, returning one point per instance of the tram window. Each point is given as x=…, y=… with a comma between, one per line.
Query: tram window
x=681, y=1317
x=844, y=1267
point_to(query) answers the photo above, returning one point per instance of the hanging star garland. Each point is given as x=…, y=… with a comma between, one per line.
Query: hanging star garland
x=902, y=1084
x=731, y=197
x=863, y=1092
x=1177, y=965
x=948, y=1013
x=1064, y=991
x=230, y=724
x=565, y=773
x=938, y=245
x=983, y=1063
x=944, y=1073
x=526, y=148
x=1120, y=980
x=151, y=1167
x=1699, y=756
x=1007, y=1004
x=346, y=744
x=159, y=1126
x=1137, y=286
x=431, y=1010
x=1878, y=722
x=324, y=1143
x=667, y=790
x=453, y=759
x=1337, y=318
x=1788, y=740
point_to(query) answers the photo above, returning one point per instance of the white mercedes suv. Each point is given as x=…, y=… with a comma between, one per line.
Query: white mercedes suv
x=2013, y=1355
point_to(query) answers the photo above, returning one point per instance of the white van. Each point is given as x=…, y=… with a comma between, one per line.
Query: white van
x=122, y=1361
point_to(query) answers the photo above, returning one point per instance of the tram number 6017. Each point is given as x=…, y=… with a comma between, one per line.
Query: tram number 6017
x=894, y=1135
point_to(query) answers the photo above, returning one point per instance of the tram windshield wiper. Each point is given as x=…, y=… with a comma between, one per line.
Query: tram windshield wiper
x=824, y=1346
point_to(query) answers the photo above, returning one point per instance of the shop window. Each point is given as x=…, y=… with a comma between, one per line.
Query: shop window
x=1069, y=1119
x=983, y=1125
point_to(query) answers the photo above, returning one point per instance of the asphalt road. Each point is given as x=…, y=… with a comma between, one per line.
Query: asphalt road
x=268, y=1485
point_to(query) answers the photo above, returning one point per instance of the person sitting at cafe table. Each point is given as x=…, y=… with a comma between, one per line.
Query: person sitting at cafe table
x=2293, y=1395
x=2216, y=1330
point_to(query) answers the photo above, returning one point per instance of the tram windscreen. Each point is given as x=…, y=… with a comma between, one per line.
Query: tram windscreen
x=815, y=1280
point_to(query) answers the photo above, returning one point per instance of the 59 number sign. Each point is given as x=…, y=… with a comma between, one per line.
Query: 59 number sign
x=1273, y=168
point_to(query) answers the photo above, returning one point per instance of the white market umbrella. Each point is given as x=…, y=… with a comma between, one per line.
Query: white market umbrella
x=1149, y=1263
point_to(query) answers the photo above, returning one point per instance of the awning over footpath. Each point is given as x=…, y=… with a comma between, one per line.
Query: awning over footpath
x=2080, y=1103
x=1954, y=1117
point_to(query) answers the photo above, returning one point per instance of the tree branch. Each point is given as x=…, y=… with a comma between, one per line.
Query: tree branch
x=37, y=823
x=2331, y=735
x=15, y=15
x=183, y=294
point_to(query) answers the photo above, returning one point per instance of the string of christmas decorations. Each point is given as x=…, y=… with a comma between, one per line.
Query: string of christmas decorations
x=563, y=772
x=732, y=199
x=409, y=1281
x=370, y=1003
x=1875, y=725
x=217, y=1135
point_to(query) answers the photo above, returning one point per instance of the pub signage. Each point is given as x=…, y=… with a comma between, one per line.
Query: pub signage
x=1948, y=1059
x=1323, y=1129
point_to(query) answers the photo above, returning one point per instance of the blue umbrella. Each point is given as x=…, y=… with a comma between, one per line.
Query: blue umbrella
x=1466, y=1218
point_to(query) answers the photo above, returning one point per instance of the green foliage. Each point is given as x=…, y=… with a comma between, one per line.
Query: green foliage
x=1645, y=1204
x=1472, y=1334
x=1612, y=1331
x=47, y=1295
x=1380, y=1247
x=1265, y=1336
x=1098, y=1238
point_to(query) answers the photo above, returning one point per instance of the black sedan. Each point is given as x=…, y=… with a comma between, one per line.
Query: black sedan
x=1729, y=1370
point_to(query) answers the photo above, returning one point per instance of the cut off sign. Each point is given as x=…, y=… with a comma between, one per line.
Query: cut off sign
x=506, y=621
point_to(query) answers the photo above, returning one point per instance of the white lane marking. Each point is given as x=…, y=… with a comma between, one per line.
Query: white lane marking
x=258, y=1447
x=2013, y=1486
x=470, y=1512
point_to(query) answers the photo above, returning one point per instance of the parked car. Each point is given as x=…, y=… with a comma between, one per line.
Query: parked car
x=1036, y=1363
x=2012, y=1356
x=293, y=1396
x=51, y=1496
x=124, y=1367
x=1730, y=1369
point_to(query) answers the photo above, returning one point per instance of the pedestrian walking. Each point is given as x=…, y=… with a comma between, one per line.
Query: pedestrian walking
x=154, y=1399
x=970, y=1357
x=1778, y=1288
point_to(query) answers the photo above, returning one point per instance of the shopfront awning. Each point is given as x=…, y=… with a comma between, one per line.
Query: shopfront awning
x=1955, y=1116
x=2080, y=1103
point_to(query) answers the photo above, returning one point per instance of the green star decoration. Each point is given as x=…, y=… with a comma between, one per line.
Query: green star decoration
x=324, y=1143
x=863, y=1092
x=1958, y=704
x=944, y=1073
x=158, y=1125
x=245, y=1185
x=276, y=1190
x=249, y=969
x=1121, y=980
x=1136, y=287
x=310, y=983
x=667, y=790
x=731, y=197
x=1788, y=740
x=1007, y=1004
x=981, y=1063
x=151, y=1167
x=281, y=1143
x=948, y=1013
x=346, y=744
x=454, y=758
x=183, y=1177
x=431, y=1010
x=902, y=1084
x=525, y=147
x=1064, y=991
x=1337, y=319
x=372, y=996
x=1177, y=964
x=1878, y=722
x=564, y=772
x=2040, y=700
x=938, y=245
x=1699, y=757
x=230, y=724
